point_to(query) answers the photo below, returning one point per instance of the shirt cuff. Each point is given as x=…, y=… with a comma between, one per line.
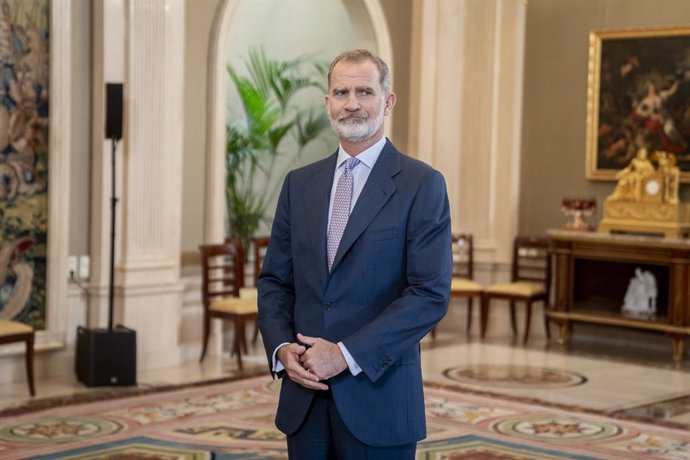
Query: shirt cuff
x=277, y=365
x=351, y=363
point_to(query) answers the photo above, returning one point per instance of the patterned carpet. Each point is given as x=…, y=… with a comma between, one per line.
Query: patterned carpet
x=235, y=421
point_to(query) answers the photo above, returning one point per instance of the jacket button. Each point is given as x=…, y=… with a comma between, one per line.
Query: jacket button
x=328, y=306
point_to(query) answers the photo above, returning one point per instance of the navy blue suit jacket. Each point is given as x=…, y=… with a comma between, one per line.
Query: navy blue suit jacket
x=388, y=287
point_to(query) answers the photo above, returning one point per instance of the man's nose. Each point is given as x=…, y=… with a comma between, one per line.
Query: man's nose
x=352, y=104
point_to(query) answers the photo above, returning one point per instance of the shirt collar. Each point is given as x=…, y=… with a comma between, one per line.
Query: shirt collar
x=368, y=156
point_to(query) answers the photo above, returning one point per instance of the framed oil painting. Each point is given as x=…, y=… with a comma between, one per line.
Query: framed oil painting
x=638, y=96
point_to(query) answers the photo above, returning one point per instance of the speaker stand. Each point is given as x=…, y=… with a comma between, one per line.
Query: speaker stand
x=108, y=356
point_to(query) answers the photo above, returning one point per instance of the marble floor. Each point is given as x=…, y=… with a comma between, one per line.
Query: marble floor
x=639, y=381
x=570, y=378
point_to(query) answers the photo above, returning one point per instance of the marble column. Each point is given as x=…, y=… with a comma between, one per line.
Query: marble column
x=466, y=111
x=141, y=45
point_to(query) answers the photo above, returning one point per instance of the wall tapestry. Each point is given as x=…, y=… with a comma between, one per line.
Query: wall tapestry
x=638, y=96
x=24, y=77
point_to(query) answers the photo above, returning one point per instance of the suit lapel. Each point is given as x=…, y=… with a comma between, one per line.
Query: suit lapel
x=376, y=193
x=317, y=195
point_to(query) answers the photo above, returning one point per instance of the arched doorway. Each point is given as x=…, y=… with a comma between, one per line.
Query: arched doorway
x=370, y=31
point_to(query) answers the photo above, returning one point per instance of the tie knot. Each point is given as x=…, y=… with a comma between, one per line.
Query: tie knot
x=351, y=163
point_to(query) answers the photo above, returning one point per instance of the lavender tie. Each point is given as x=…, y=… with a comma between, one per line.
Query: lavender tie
x=341, y=209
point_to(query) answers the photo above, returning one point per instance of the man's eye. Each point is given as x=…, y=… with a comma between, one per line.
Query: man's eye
x=340, y=93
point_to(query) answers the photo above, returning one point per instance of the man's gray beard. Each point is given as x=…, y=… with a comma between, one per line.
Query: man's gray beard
x=358, y=131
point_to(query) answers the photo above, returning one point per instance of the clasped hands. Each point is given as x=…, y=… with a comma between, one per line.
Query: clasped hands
x=311, y=361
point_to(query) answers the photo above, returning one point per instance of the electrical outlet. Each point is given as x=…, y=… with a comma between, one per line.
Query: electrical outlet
x=84, y=266
x=72, y=263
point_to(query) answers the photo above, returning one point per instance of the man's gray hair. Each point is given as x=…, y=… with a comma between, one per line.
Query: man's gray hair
x=361, y=55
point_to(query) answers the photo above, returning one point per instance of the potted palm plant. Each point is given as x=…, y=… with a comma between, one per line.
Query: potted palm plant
x=262, y=145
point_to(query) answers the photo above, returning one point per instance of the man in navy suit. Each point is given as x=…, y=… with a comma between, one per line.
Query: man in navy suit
x=357, y=272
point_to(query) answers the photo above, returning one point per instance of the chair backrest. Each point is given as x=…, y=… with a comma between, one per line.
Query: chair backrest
x=260, y=246
x=531, y=260
x=222, y=270
x=463, y=256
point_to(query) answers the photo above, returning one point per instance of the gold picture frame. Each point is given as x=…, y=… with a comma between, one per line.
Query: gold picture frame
x=638, y=95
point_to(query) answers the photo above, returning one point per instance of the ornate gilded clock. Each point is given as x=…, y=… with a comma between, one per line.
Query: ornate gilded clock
x=645, y=199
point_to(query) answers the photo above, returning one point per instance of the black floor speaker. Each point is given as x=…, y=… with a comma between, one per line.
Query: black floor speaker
x=106, y=357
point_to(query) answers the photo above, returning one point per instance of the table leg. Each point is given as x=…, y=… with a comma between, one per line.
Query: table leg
x=678, y=348
x=563, y=332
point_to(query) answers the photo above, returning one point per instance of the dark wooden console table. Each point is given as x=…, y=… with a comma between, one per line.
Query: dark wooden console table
x=592, y=272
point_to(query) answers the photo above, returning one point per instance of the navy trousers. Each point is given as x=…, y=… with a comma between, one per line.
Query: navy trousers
x=323, y=436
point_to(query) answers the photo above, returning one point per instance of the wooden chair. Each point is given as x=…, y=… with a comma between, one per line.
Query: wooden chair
x=13, y=331
x=223, y=293
x=260, y=245
x=462, y=283
x=530, y=280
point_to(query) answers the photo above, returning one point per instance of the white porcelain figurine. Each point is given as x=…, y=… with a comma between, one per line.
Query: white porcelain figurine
x=640, y=298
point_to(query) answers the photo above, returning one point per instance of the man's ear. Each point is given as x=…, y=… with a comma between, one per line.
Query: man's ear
x=391, y=98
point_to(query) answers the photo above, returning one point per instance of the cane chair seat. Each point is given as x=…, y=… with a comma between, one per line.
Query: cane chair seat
x=242, y=305
x=8, y=328
x=13, y=331
x=234, y=306
x=462, y=285
x=518, y=288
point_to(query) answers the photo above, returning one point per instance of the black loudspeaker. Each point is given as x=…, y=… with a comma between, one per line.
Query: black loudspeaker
x=113, y=110
x=106, y=357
